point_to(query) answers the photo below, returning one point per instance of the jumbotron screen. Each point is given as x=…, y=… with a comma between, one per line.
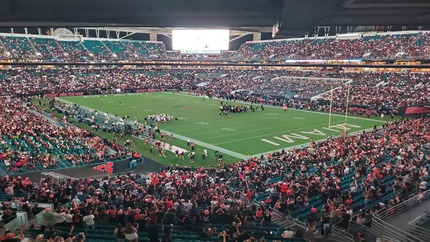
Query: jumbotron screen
x=200, y=41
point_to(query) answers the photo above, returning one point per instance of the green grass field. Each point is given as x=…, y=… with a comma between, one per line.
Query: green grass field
x=249, y=133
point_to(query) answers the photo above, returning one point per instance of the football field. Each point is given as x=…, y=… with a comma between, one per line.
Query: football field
x=248, y=133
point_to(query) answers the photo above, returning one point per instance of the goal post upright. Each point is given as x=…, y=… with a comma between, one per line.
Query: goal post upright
x=331, y=105
x=347, y=104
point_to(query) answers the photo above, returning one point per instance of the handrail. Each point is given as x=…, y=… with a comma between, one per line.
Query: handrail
x=388, y=239
x=344, y=236
x=422, y=229
x=299, y=223
x=382, y=228
x=415, y=226
x=419, y=232
x=389, y=212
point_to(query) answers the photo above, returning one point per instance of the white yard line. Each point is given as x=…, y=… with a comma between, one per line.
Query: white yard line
x=210, y=146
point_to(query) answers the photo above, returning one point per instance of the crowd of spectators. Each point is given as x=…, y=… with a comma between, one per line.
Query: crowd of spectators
x=136, y=50
x=48, y=48
x=330, y=180
x=395, y=46
x=145, y=50
x=120, y=50
x=74, y=51
x=398, y=150
x=3, y=51
x=381, y=168
x=30, y=142
x=395, y=90
x=420, y=47
x=295, y=87
x=328, y=183
x=368, y=90
x=97, y=50
x=32, y=81
x=18, y=47
x=53, y=50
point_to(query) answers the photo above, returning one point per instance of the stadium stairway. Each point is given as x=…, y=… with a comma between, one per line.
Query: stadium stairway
x=283, y=222
x=48, y=48
x=97, y=48
x=19, y=47
x=117, y=48
x=3, y=47
x=74, y=49
x=107, y=48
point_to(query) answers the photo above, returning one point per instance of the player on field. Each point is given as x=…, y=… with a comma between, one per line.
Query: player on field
x=204, y=154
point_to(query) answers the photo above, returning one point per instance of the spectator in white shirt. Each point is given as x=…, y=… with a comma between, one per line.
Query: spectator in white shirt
x=361, y=219
x=89, y=221
x=76, y=200
x=187, y=205
x=9, y=190
x=423, y=185
x=69, y=217
x=148, y=181
x=288, y=234
x=59, y=217
x=350, y=212
x=346, y=170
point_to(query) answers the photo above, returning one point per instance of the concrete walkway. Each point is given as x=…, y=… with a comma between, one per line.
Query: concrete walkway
x=402, y=220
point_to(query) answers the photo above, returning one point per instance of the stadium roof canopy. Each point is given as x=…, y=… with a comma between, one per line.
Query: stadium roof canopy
x=290, y=17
